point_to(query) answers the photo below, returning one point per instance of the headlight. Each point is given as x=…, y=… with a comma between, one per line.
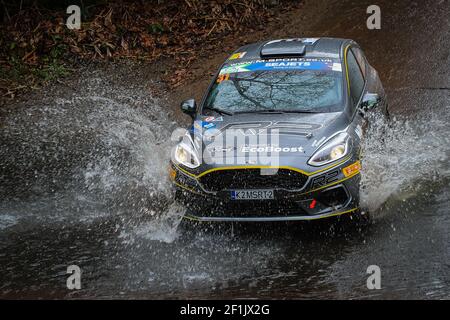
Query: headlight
x=186, y=154
x=335, y=149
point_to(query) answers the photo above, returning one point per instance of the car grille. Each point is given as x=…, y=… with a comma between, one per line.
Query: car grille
x=253, y=179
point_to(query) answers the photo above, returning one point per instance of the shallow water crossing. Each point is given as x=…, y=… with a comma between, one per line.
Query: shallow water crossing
x=88, y=186
x=84, y=182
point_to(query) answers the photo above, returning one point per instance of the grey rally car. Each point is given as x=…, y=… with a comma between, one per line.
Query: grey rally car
x=277, y=135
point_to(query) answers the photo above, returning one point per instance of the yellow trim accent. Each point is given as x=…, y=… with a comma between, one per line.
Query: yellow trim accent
x=335, y=214
x=190, y=218
x=187, y=188
x=262, y=167
x=194, y=218
x=346, y=68
x=250, y=167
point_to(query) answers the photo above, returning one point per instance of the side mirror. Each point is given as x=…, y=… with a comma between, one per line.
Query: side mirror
x=189, y=107
x=370, y=101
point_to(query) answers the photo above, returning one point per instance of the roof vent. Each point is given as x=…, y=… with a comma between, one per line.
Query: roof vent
x=285, y=47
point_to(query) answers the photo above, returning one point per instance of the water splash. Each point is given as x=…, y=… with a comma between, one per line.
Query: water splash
x=100, y=151
x=163, y=228
x=104, y=150
x=401, y=157
x=7, y=220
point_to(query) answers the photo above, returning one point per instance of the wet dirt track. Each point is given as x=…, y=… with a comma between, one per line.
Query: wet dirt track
x=84, y=182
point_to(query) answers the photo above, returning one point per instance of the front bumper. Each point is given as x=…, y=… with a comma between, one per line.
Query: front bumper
x=326, y=193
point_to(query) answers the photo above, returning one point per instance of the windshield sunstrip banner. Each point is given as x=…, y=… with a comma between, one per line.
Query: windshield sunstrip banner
x=279, y=65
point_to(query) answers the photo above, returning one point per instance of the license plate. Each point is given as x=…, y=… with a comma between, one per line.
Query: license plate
x=252, y=194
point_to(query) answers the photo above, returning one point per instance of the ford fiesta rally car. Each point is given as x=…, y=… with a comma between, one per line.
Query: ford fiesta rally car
x=277, y=135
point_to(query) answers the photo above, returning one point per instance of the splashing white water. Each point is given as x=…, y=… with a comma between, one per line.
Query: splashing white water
x=101, y=150
x=163, y=228
x=105, y=150
x=7, y=220
x=400, y=155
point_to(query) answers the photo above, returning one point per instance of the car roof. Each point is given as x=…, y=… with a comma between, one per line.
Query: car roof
x=286, y=48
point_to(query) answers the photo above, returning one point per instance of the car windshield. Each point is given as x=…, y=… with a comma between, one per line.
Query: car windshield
x=279, y=85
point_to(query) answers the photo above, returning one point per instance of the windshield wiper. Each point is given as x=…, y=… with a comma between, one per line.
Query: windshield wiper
x=219, y=111
x=272, y=111
x=299, y=111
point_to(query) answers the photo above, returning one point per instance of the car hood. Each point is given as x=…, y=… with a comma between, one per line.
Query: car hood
x=264, y=139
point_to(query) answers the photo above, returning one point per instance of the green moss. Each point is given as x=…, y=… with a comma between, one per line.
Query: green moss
x=20, y=73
